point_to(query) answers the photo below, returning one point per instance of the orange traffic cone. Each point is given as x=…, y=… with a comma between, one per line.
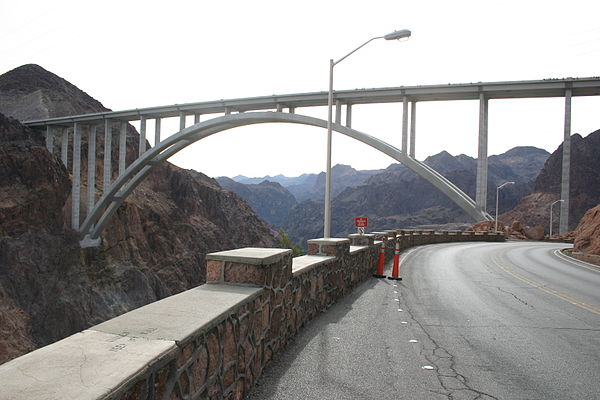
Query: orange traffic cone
x=381, y=261
x=396, y=262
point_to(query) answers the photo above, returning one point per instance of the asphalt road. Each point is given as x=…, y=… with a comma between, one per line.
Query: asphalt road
x=469, y=321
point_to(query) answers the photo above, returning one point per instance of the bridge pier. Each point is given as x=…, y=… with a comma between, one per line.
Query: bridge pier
x=107, y=154
x=76, y=189
x=122, y=147
x=482, y=158
x=413, y=126
x=563, y=226
x=405, y=125
x=348, y=115
x=65, y=147
x=142, y=143
x=157, y=128
x=49, y=139
x=91, y=170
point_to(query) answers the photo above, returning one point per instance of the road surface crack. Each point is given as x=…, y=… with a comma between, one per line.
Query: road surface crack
x=454, y=384
x=515, y=296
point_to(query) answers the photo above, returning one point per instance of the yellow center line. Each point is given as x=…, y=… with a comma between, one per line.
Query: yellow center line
x=544, y=288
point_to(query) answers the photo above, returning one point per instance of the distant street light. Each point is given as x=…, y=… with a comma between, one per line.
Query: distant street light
x=552, y=205
x=497, y=190
x=396, y=35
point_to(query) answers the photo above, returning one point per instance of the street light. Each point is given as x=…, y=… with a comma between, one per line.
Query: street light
x=552, y=205
x=497, y=190
x=396, y=35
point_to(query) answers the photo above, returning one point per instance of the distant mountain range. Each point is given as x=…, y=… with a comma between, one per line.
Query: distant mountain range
x=393, y=197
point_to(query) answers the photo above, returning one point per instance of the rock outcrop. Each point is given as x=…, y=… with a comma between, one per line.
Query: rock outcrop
x=534, y=209
x=153, y=247
x=587, y=234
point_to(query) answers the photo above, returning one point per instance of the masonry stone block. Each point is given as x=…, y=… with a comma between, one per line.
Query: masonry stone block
x=361, y=240
x=336, y=247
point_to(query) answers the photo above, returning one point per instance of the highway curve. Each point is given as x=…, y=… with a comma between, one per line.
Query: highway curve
x=469, y=321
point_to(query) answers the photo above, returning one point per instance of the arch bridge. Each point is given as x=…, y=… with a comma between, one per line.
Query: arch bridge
x=268, y=109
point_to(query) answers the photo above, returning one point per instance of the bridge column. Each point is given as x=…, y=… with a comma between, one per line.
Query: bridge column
x=65, y=147
x=563, y=226
x=413, y=125
x=405, y=125
x=182, y=120
x=91, y=172
x=76, y=189
x=107, y=155
x=482, y=158
x=122, y=147
x=157, y=129
x=49, y=139
x=338, y=112
x=142, y=144
x=196, y=119
x=349, y=115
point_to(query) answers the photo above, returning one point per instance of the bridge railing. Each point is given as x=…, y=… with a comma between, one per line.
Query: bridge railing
x=213, y=340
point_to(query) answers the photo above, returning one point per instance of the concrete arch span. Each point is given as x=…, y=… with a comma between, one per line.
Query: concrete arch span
x=108, y=204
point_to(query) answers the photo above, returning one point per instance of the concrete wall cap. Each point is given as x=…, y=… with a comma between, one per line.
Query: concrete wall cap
x=86, y=365
x=328, y=241
x=250, y=255
x=304, y=263
x=357, y=235
x=356, y=249
x=179, y=317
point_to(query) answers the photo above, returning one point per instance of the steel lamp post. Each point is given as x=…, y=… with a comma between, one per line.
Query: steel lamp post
x=497, y=191
x=552, y=205
x=396, y=35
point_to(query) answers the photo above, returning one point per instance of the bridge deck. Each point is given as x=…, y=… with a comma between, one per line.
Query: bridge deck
x=463, y=91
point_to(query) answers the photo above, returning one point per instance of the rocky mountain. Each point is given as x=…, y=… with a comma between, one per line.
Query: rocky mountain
x=312, y=186
x=587, y=233
x=534, y=209
x=397, y=197
x=283, y=180
x=271, y=201
x=152, y=248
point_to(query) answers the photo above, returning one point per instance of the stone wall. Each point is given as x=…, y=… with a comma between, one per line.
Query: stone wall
x=213, y=341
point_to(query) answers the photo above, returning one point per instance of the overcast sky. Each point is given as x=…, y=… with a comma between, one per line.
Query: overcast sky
x=133, y=54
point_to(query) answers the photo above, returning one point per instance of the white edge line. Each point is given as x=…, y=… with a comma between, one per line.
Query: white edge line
x=575, y=261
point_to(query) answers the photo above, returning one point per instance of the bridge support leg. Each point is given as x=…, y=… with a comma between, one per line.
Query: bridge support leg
x=405, y=125
x=49, y=139
x=338, y=112
x=122, y=147
x=482, y=158
x=349, y=115
x=76, y=189
x=107, y=155
x=65, y=147
x=413, y=126
x=563, y=226
x=91, y=172
x=142, y=144
x=157, y=128
x=182, y=120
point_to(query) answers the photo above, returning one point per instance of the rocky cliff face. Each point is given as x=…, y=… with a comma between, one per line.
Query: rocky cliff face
x=587, y=234
x=153, y=247
x=534, y=209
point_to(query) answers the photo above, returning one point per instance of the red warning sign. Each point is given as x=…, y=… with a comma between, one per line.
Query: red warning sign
x=361, y=222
